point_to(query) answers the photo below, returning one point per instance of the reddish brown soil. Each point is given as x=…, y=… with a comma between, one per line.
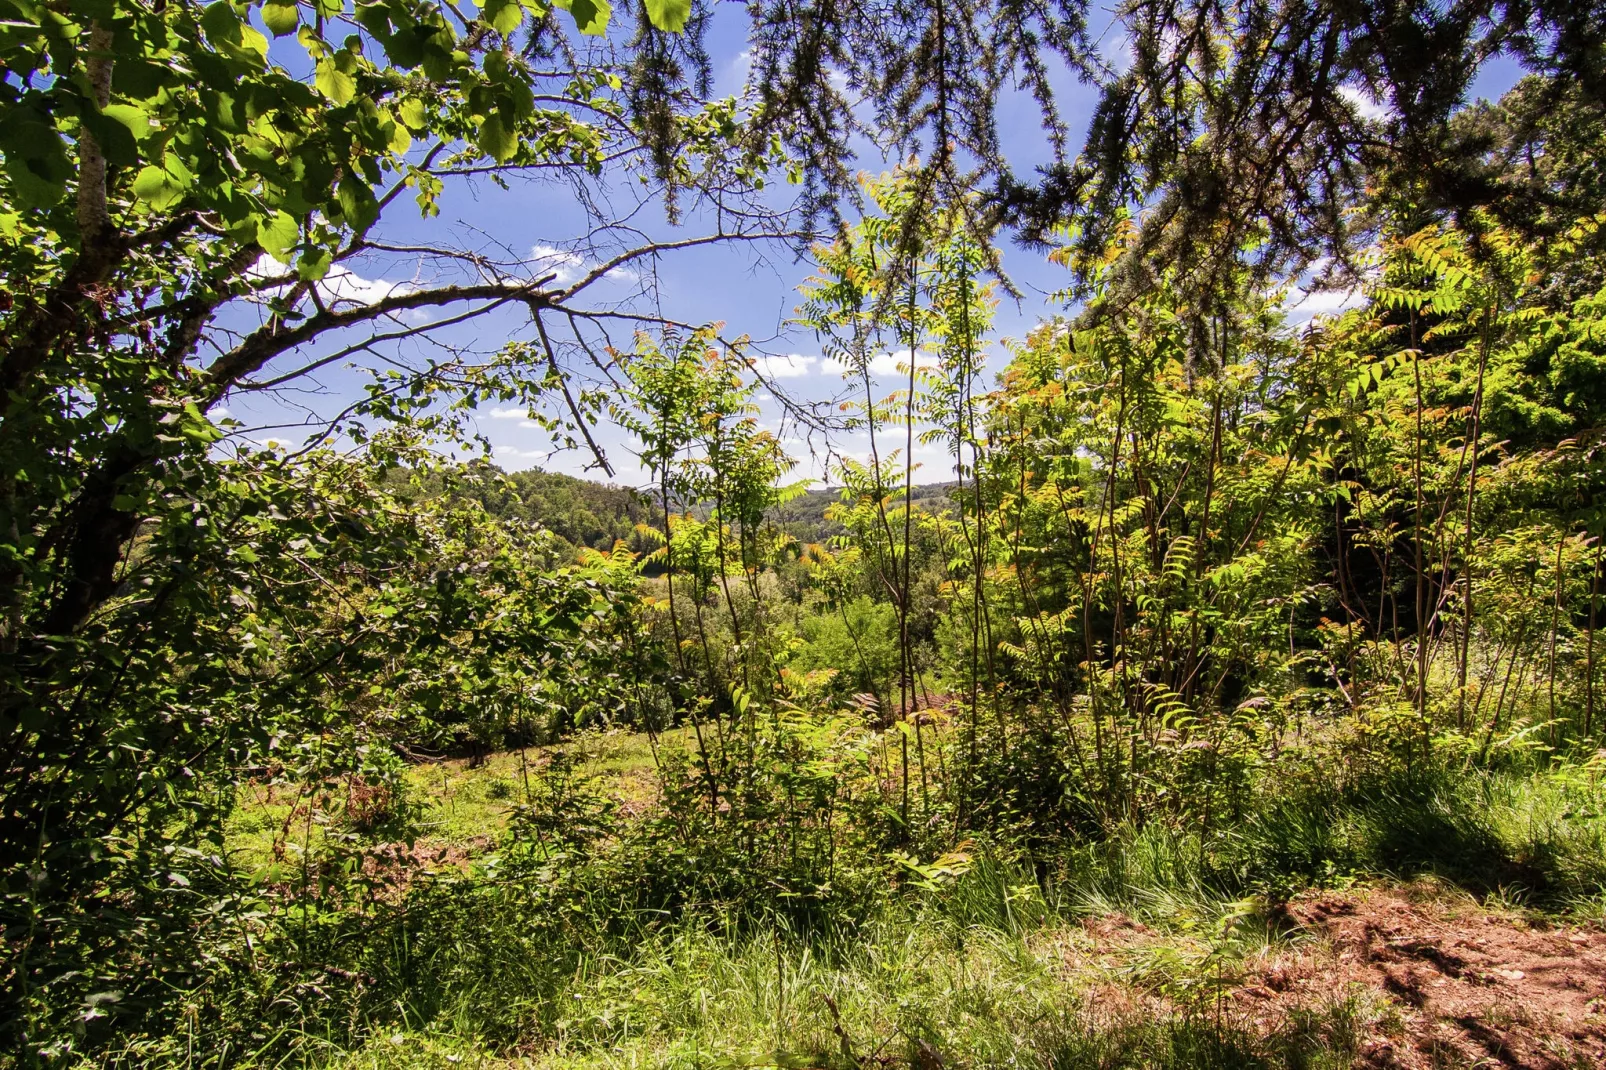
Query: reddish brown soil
x=391, y=868
x=1468, y=988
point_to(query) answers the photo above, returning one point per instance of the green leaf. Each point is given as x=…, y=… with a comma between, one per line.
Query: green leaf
x=496, y=140
x=413, y=113
x=156, y=187
x=114, y=139
x=281, y=17
x=195, y=426
x=254, y=41
x=221, y=23
x=503, y=15
x=34, y=190
x=278, y=234
x=135, y=119
x=181, y=176
x=335, y=84
x=405, y=48
x=35, y=156
x=669, y=15
x=314, y=264
x=590, y=16
x=357, y=202
x=400, y=139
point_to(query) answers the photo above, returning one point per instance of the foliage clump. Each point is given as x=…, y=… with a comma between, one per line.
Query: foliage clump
x=1209, y=607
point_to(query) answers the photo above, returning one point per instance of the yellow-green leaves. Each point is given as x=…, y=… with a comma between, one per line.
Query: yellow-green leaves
x=334, y=83
x=669, y=15
x=151, y=185
x=164, y=186
x=314, y=264
x=503, y=15
x=278, y=234
x=590, y=16
x=400, y=139
x=413, y=114
x=137, y=122
x=281, y=17
x=496, y=140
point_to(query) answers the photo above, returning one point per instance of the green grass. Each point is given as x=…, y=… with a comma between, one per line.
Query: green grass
x=997, y=968
x=454, y=804
x=902, y=988
x=1532, y=835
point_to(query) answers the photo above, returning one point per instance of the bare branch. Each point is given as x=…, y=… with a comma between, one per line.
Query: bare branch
x=654, y=248
x=263, y=345
x=563, y=383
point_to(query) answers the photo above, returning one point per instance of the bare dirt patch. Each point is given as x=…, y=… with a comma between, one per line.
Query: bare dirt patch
x=392, y=868
x=1468, y=987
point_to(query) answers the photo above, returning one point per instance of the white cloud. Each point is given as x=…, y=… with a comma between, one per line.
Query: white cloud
x=515, y=453
x=897, y=362
x=1116, y=50
x=341, y=286
x=508, y=414
x=1364, y=103
x=1323, y=303
x=784, y=366
x=266, y=267
x=882, y=365
x=567, y=266
x=1309, y=299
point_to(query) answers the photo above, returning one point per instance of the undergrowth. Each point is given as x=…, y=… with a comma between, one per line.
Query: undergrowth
x=652, y=941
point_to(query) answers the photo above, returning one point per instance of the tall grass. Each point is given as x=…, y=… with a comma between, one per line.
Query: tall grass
x=914, y=987
x=579, y=962
x=1532, y=833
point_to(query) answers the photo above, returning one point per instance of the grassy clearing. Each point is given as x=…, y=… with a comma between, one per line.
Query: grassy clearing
x=458, y=805
x=1121, y=953
x=918, y=990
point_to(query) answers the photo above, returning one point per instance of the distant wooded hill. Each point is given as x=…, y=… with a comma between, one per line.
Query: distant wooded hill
x=585, y=512
x=804, y=516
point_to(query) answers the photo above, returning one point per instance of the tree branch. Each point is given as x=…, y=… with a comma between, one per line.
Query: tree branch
x=563, y=383
x=263, y=345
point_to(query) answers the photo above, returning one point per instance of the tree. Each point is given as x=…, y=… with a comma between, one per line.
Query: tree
x=189, y=191
x=1229, y=132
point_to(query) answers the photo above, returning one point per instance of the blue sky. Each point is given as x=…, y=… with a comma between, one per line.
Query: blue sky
x=751, y=290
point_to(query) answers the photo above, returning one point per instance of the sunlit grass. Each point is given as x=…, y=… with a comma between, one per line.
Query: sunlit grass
x=458, y=804
x=912, y=989
x=1123, y=952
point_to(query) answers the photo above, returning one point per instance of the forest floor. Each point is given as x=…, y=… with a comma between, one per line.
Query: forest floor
x=1451, y=983
x=1385, y=975
x=459, y=805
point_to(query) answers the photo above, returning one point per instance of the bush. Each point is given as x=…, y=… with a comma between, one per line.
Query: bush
x=859, y=641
